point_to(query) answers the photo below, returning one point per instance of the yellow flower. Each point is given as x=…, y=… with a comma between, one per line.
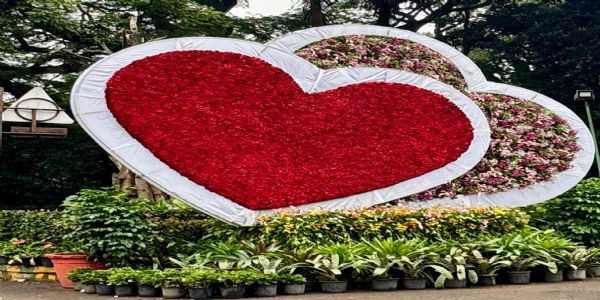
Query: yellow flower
x=499, y=211
x=288, y=228
x=374, y=226
x=400, y=227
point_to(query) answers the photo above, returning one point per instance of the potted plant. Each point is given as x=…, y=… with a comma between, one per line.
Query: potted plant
x=5, y=251
x=232, y=283
x=521, y=262
x=452, y=270
x=124, y=280
x=28, y=254
x=148, y=283
x=486, y=268
x=88, y=281
x=593, y=267
x=301, y=257
x=265, y=284
x=523, y=251
x=330, y=268
x=68, y=256
x=270, y=266
x=293, y=284
x=46, y=248
x=110, y=227
x=12, y=252
x=414, y=269
x=575, y=261
x=103, y=288
x=75, y=276
x=198, y=283
x=381, y=260
x=551, y=248
x=171, y=283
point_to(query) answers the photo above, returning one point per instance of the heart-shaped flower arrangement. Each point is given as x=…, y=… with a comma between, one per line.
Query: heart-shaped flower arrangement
x=539, y=147
x=237, y=129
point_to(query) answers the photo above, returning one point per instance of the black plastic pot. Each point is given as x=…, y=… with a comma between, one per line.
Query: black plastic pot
x=578, y=274
x=37, y=261
x=125, y=290
x=294, y=288
x=148, y=291
x=46, y=262
x=518, y=277
x=105, y=289
x=3, y=260
x=388, y=284
x=312, y=286
x=487, y=280
x=27, y=261
x=89, y=288
x=77, y=286
x=173, y=292
x=232, y=292
x=553, y=277
x=266, y=290
x=414, y=283
x=334, y=286
x=199, y=293
x=594, y=270
x=455, y=284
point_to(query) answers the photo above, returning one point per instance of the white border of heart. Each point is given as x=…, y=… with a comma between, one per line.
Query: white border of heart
x=90, y=109
x=476, y=82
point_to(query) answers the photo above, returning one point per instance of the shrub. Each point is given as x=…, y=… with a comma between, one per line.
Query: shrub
x=31, y=225
x=181, y=224
x=111, y=227
x=294, y=228
x=78, y=274
x=575, y=214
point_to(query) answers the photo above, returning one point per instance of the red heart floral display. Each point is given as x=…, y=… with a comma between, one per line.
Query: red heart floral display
x=539, y=148
x=244, y=129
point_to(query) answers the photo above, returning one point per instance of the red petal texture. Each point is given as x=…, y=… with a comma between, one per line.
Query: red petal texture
x=244, y=129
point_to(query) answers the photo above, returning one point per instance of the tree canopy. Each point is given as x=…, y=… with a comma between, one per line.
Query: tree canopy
x=552, y=46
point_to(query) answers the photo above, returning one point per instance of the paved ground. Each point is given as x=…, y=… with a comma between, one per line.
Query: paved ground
x=585, y=290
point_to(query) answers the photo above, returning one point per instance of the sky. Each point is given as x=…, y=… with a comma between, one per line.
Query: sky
x=263, y=7
x=277, y=7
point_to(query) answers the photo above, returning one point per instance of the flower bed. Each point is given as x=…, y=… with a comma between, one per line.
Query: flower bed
x=294, y=228
x=529, y=145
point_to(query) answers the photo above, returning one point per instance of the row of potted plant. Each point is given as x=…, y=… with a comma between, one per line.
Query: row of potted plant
x=416, y=261
x=177, y=283
x=23, y=252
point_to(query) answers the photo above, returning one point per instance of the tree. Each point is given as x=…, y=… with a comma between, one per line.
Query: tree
x=547, y=46
x=48, y=42
x=412, y=15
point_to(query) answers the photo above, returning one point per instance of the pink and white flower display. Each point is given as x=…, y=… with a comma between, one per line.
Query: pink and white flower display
x=539, y=148
x=530, y=144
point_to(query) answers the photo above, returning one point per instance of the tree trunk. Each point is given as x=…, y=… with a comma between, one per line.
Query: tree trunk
x=125, y=180
x=384, y=13
x=315, y=13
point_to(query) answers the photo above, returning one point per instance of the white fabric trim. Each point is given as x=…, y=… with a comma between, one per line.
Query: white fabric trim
x=476, y=82
x=90, y=109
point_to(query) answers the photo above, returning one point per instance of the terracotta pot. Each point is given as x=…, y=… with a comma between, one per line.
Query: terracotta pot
x=63, y=263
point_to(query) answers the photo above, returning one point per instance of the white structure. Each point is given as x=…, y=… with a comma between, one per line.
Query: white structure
x=47, y=111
